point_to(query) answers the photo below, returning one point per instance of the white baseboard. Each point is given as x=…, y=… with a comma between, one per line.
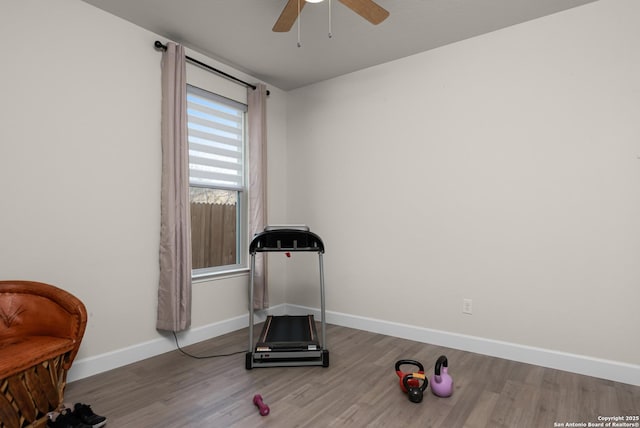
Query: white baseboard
x=581, y=364
x=574, y=363
x=85, y=367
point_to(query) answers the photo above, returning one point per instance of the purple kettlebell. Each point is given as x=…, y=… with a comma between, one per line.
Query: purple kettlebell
x=441, y=382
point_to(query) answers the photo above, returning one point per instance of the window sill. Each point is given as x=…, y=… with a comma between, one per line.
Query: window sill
x=215, y=276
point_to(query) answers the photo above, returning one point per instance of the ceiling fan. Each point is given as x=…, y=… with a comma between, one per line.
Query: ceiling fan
x=367, y=9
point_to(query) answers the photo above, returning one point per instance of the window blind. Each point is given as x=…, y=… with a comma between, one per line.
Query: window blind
x=216, y=129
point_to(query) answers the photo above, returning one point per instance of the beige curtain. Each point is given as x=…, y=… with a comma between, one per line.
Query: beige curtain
x=174, y=291
x=257, y=117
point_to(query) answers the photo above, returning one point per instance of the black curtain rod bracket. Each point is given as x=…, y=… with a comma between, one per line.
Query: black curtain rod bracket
x=159, y=46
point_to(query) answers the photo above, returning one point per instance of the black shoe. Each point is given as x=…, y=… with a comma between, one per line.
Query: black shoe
x=66, y=420
x=84, y=413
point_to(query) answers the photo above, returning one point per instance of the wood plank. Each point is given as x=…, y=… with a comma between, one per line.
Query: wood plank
x=8, y=416
x=22, y=398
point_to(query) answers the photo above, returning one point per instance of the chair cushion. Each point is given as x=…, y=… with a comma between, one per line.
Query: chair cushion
x=19, y=353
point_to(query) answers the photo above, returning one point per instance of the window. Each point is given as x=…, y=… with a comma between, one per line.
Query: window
x=217, y=177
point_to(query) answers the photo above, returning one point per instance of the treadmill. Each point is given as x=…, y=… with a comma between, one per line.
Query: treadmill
x=287, y=340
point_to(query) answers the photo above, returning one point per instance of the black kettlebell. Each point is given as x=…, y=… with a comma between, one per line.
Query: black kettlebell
x=415, y=393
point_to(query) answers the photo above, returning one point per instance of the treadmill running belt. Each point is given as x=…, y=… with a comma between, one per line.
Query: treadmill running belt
x=288, y=332
x=289, y=329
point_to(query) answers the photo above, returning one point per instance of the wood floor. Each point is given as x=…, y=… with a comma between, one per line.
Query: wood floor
x=358, y=389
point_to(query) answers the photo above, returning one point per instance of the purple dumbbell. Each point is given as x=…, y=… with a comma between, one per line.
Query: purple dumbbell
x=264, y=409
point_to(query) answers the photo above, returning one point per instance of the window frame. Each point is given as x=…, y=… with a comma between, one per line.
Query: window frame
x=242, y=202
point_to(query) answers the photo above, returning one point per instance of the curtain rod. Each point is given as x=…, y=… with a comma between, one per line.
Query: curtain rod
x=158, y=45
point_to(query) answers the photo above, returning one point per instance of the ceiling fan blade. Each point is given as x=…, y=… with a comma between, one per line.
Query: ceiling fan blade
x=288, y=16
x=368, y=9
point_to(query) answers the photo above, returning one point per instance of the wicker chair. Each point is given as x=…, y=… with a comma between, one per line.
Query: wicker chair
x=41, y=327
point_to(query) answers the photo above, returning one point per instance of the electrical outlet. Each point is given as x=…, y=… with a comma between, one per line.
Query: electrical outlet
x=467, y=306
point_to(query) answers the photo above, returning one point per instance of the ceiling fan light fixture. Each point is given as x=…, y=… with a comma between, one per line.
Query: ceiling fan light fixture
x=314, y=1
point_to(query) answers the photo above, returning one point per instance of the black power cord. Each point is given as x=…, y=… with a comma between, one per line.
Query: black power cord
x=202, y=357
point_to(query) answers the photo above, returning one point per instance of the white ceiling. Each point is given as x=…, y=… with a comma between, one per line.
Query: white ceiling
x=238, y=32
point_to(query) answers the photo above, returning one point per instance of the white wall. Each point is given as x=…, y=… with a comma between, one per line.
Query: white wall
x=504, y=168
x=80, y=168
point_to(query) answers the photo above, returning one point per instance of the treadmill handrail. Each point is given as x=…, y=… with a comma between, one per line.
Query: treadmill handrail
x=286, y=240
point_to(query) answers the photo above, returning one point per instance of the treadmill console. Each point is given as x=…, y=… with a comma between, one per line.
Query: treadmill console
x=286, y=238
